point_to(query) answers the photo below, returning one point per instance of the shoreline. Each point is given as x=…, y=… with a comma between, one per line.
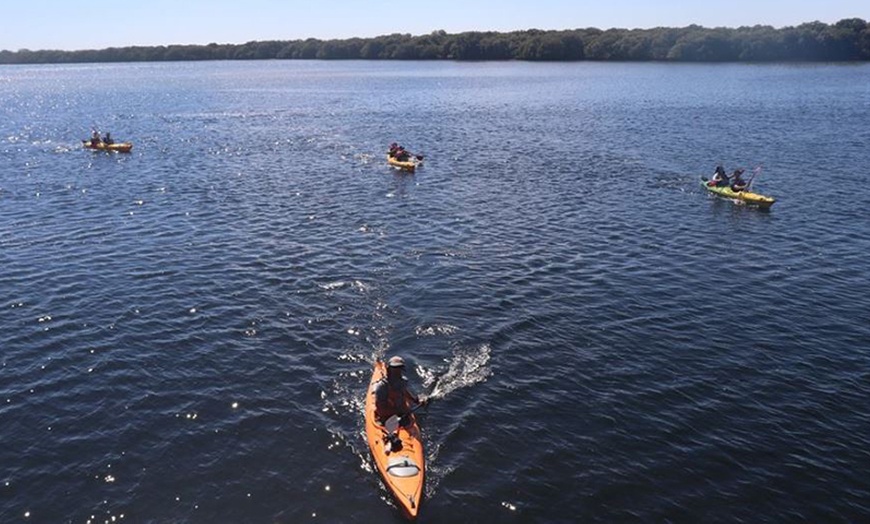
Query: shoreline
x=845, y=41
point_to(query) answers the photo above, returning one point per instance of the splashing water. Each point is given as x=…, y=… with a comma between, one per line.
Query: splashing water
x=464, y=369
x=437, y=329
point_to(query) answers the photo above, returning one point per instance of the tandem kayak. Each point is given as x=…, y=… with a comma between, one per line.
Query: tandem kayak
x=120, y=147
x=405, y=165
x=746, y=197
x=401, y=466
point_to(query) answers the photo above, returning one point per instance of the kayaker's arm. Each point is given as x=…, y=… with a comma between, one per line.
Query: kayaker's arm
x=422, y=400
x=418, y=400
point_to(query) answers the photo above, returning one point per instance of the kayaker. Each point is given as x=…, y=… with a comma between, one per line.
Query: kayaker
x=108, y=140
x=737, y=183
x=720, y=179
x=95, y=138
x=392, y=396
x=398, y=152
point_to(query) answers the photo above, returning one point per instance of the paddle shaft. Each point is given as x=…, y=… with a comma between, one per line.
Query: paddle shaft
x=754, y=174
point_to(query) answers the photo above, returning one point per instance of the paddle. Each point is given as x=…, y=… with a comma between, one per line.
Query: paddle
x=391, y=427
x=754, y=174
x=418, y=157
x=396, y=419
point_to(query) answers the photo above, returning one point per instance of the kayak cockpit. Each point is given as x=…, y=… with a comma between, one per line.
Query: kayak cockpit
x=403, y=467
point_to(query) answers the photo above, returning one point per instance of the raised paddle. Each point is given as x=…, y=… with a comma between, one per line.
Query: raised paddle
x=754, y=174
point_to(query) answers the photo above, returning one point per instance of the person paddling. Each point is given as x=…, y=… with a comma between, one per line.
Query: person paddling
x=720, y=179
x=401, y=154
x=392, y=396
x=95, y=138
x=737, y=182
x=398, y=152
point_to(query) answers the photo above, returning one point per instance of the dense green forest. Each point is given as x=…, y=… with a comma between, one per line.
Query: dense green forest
x=846, y=40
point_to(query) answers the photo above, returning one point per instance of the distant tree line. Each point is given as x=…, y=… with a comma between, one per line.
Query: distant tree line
x=846, y=40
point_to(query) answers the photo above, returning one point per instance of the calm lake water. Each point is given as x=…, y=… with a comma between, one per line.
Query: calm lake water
x=187, y=331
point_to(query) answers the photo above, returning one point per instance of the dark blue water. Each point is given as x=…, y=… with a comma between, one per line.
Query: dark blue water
x=186, y=332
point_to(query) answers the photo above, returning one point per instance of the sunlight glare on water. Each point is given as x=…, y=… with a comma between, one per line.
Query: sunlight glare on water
x=188, y=330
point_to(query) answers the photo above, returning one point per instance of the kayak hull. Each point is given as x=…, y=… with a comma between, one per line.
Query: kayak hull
x=402, y=471
x=409, y=165
x=120, y=147
x=746, y=197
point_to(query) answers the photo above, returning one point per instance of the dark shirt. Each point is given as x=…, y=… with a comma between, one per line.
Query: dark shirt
x=392, y=397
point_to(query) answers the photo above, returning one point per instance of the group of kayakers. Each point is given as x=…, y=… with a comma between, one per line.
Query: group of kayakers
x=398, y=152
x=735, y=181
x=96, y=139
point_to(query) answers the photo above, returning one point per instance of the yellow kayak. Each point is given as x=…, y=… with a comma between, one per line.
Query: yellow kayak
x=120, y=147
x=405, y=165
x=746, y=197
x=401, y=466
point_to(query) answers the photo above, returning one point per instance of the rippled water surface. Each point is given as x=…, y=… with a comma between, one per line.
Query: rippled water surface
x=187, y=331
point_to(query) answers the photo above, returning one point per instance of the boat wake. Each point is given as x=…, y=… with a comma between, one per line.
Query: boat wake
x=466, y=368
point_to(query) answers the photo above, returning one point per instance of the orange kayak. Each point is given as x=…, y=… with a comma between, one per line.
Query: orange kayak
x=121, y=147
x=402, y=469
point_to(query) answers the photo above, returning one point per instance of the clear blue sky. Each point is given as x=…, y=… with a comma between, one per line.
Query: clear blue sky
x=71, y=24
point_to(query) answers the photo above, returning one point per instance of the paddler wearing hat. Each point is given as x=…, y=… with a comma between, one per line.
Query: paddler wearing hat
x=392, y=396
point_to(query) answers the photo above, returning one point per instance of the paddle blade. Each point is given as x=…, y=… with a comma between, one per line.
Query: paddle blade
x=392, y=424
